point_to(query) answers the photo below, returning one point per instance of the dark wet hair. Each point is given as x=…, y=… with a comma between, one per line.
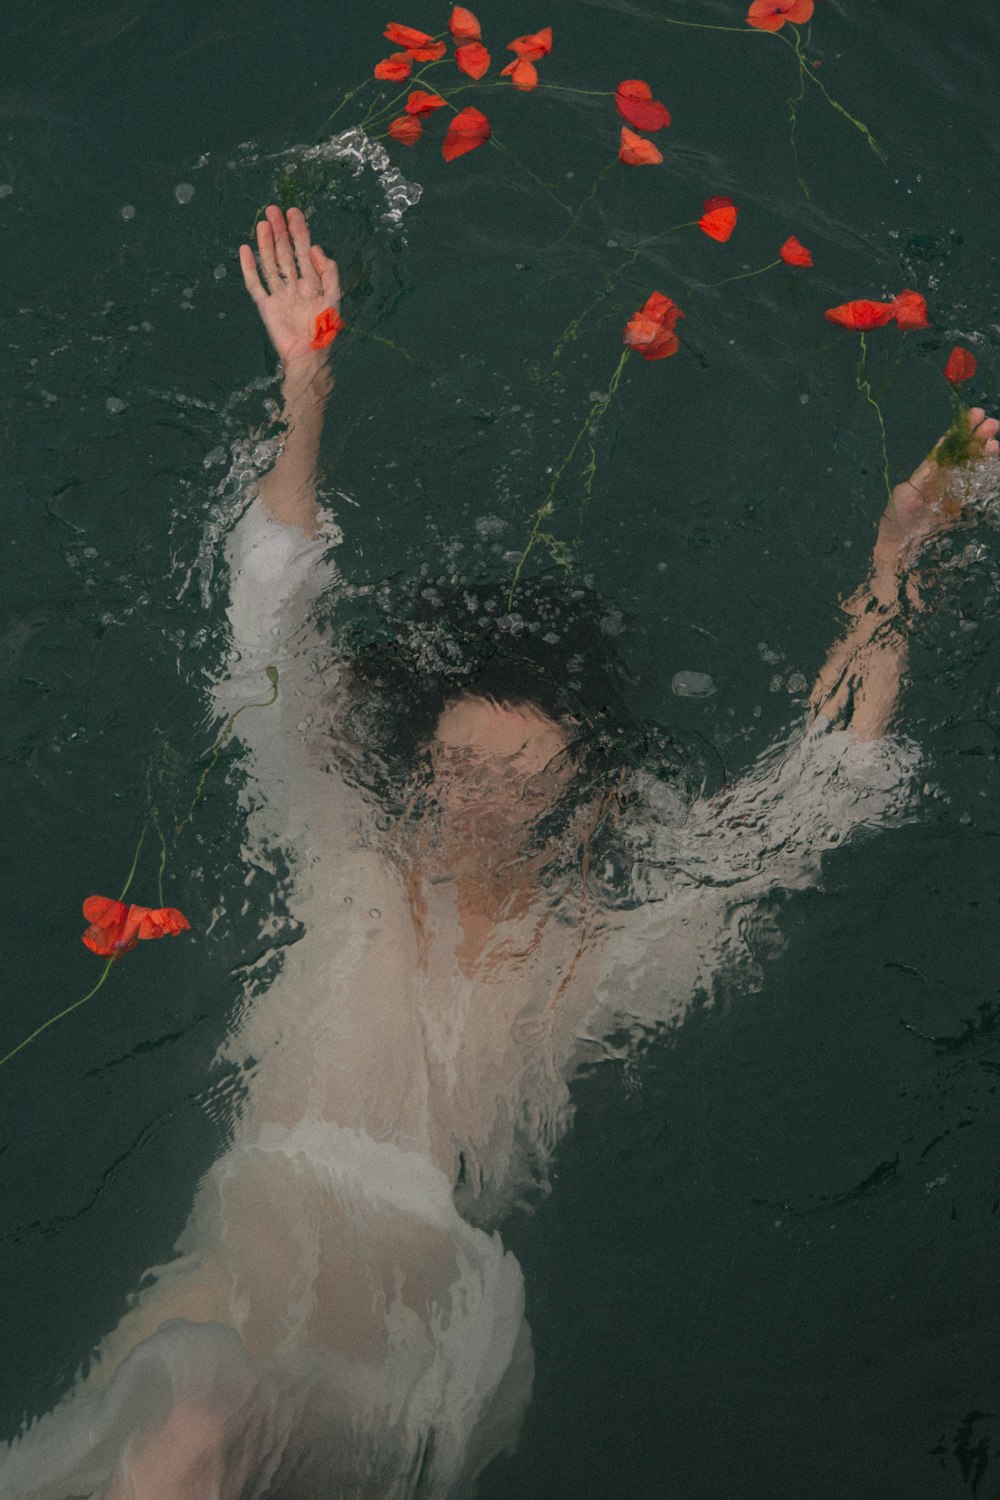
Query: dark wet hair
x=422, y=643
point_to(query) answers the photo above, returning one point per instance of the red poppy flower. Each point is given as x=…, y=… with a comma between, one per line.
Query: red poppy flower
x=463, y=25
x=636, y=151
x=719, y=219
x=328, y=325
x=910, y=310
x=469, y=129
x=395, y=68
x=862, y=314
x=116, y=928
x=636, y=105
x=771, y=15
x=421, y=102
x=961, y=365
x=420, y=46
x=534, y=46
x=794, y=253
x=523, y=75
x=650, y=331
x=406, y=130
x=473, y=59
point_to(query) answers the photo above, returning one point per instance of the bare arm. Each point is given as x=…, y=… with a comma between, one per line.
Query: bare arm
x=295, y=283
x=858, y=686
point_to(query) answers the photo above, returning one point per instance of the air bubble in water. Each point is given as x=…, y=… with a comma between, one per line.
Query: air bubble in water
x=692, y=685
x=115, y=405
x=5, y=189
x=127, y=211
x=184, y=192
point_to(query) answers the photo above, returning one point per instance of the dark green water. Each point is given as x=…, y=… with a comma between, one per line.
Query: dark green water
x=768, y=1265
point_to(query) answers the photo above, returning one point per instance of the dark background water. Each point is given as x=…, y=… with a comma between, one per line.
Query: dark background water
x=768, y=1265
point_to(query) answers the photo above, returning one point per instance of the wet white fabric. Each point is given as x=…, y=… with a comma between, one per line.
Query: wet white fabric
x=351, y=1332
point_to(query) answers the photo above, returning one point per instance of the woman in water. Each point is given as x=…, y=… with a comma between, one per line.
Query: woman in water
x=332, y=1326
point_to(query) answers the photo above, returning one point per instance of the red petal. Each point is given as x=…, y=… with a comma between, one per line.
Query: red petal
x=534, y=46
x=766, y=15
x=421, y=102
x=395, y=68
x=468, y=129
x=328, y=324
x=719, y=219
x=636, y=105
x=800, y=12
x=406, y=130
x=103, y=912
x=523, y=75
x=463, y=25
x=961, y=365
x=430, y=53
x=861, y=314
x=164, y=921
x=636, y=151
x=473, y=59
x=910, y=310
x=406, y=36
x=794, y=253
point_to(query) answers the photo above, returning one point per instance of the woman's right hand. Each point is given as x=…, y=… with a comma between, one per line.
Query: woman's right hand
x=295, y=283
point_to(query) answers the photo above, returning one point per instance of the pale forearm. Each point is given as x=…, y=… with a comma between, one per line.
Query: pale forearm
x=289, y=488
x=858, y=685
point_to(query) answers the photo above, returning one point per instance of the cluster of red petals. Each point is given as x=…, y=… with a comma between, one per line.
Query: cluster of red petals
x=523, y=75
x=534, y=46
x=636, y=105
x=463, y=25
x=473, y=59
x=908, y=310
x=421, y=102
x=771, y=15
x=406, y=129
x=469, y=129
x=719, y=218
x=794, y=253
x=650, y=331
x=420, y=46
x=328, y=325
x=961, y=365
x=636, y=151
x=395, y=68
x=116, y=928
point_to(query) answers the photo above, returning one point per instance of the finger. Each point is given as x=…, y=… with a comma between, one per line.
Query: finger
x=975, y=415
x=265, y=250
x=251, y=278
x=298, y=228
x=329, y=275
x=282, y=244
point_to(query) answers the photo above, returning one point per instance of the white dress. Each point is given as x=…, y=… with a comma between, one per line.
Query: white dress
x=354, y=1334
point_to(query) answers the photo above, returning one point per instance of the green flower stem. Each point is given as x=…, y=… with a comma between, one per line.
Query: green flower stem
x=700, y=286
x=864, y=386
x=807, y=71
x=707, y=26
x=572, y=329
x=53, y=1019
x=547, y=506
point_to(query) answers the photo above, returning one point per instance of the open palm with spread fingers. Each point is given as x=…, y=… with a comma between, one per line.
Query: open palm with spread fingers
x=294, y=285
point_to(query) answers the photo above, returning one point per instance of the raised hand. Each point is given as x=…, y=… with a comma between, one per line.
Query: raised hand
x=296, y=281
x=925, y=503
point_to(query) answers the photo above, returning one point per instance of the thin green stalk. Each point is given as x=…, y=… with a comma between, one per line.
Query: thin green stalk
x=807, y=71
x=793, y=101
x=865, y=387
x=547, y=506
x=572, y=329
x=53, y=1019
x=699, y=286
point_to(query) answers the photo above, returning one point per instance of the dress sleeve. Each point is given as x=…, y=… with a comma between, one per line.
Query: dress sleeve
x=711, y=882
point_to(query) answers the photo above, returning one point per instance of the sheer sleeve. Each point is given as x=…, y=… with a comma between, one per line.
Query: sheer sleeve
x=711, y=881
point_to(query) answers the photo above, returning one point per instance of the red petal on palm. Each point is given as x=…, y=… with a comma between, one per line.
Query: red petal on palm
x=421, y=102
x=523, y=75
x=395, y=68
x=910, y=310
x=163, y=921
x=406, y=130
x=794, y=253
x=636, y=104
x=636, y=151
x=533, y=46
x=719, y=219
x=961, y=365
x=473, y=59
x=862, y=314
x=406, y=36
x=328, y=324
x=463, y=25
x=467, y=131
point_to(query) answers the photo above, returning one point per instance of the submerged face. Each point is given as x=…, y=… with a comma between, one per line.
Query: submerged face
x=497, y=766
